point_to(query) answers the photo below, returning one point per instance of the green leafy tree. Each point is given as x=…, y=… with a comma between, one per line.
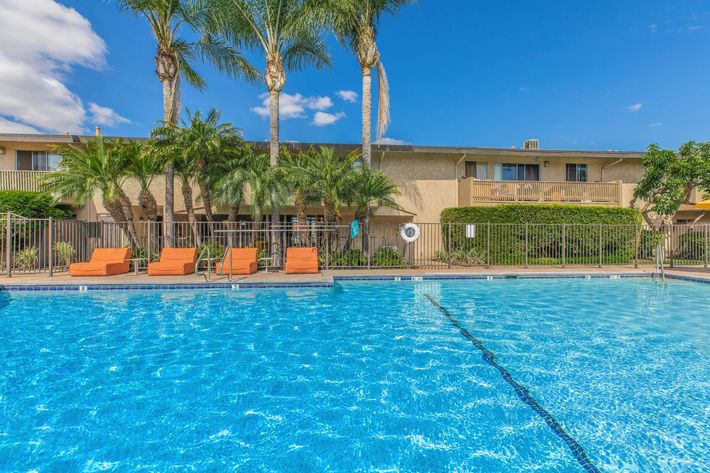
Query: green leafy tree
x=234, y=172
x=99, y=166
x=175, y=56
x=670, y=179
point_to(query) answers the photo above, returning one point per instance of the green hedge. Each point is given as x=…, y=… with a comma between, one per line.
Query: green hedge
x=542, y=214
x=31, y=205
x=502, y=237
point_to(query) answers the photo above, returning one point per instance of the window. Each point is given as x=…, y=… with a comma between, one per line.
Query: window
x=519, y=172
x=577, y=173
x=476, y=170
x=37, y=161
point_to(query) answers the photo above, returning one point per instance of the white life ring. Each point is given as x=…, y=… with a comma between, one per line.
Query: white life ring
x=410, y=232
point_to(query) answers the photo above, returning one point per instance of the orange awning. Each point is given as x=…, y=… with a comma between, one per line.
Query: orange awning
x=704, y=205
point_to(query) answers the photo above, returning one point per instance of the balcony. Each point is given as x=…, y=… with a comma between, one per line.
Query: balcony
x=473, y=192
x=21, y=180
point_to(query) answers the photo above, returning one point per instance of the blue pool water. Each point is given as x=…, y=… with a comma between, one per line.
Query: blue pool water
x=362, y=377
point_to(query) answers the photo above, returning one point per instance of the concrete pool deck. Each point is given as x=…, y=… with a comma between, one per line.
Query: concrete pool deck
x=327, y=276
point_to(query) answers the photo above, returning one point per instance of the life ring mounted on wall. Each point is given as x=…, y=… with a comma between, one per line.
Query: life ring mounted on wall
x=410, y=232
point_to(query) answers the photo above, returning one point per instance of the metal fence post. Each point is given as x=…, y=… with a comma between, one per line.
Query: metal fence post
x=670, y=248
x=488, y=247
x=326, y=233
x=527, y=243
x=564, y=244
x=601, y=253
x=8, y=245
x=707, y=235
x=637, y=245
x=448, y=246
x=51, y=247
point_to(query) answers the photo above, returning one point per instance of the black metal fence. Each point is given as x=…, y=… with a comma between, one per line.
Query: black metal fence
x=49, y=246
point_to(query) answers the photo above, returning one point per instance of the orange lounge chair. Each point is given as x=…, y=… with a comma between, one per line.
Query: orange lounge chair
x=104, y=262
x=243, y=261
x=302, y=261
x=174, y=262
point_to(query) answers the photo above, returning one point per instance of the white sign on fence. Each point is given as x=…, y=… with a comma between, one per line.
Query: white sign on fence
x=470, y=230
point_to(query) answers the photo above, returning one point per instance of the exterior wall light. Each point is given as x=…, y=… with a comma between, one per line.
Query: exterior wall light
x=546, y=164
x=2, y=150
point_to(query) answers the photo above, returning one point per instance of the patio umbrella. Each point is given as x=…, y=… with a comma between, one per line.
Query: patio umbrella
x=704, y=205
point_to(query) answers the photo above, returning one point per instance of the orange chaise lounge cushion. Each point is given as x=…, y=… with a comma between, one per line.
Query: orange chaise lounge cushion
x=243, y=261
x=104, y=262
x=302, y=261
x=174, y=262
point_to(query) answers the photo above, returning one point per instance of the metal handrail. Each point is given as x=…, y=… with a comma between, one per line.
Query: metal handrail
x=199, y=258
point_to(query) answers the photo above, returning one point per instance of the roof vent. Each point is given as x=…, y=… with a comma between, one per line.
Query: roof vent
x=531, y=144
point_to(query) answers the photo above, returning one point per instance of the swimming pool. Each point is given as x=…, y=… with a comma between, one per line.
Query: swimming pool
x=504, y=375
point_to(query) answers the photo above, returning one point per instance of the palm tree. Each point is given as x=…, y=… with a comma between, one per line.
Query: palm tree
x=367, y=189
x=328, y=175
x=355, y=24
x=234, y=172
x=287, y=32
x=299, y=183
x=144, y=165
x=98, y=166
x=174, y=58
x=207, y=143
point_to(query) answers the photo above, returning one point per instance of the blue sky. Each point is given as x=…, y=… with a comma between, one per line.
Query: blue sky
x=607, y=74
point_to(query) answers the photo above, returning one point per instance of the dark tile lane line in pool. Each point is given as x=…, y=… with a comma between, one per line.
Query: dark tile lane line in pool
x=522, y=392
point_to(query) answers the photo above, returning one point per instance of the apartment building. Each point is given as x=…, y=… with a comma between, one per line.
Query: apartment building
x=430, y=178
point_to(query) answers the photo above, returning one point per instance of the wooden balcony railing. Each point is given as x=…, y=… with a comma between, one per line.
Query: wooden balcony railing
x=546, y=191
x=21, y=180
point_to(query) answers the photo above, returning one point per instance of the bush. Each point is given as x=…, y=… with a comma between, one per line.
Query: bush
x=387, y=258
x=539, y=214
x=31, y=205
x=64, y=252
x=347, y=259
x=691, y=246
x=502, y=236
x=27, y=259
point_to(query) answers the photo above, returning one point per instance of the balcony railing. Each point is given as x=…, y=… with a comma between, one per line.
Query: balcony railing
x=21, y=180
x=546, y=191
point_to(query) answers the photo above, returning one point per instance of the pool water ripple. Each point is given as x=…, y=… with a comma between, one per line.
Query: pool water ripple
x=361, y=377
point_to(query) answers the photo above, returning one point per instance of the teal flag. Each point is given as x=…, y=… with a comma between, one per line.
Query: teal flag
x=354, y=228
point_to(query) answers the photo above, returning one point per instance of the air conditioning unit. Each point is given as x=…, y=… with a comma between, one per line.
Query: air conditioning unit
x=531, y=144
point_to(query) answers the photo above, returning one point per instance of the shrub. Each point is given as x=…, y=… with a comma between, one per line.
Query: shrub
x=691, y=245
x=387, y=258
x=544, y=213
x=64, y=252
x=31, y=205
x=27, y=259
x=348, y=258
x=502, y=235
x=216, y=249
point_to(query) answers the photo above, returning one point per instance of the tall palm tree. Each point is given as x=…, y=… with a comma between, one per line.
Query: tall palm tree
x=144, y=165
x=207, y=143
x=287, y=32
x=98, y=166
x=174, y=57
x=355, y=24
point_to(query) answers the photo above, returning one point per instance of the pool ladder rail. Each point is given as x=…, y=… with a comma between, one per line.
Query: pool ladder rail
x=205, y=255
x=660, y=256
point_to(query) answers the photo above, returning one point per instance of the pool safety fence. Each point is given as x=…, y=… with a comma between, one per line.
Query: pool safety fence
x=50, y=245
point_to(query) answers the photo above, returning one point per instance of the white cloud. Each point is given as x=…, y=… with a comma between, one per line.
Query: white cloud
x=293, y=106
x=40, y=42
x=634, y=107
x=392, y=141
x=653, y=28
x=325, y=119
x=655, y=124
x=105, y=116
x=7, y=126
x=347, y=95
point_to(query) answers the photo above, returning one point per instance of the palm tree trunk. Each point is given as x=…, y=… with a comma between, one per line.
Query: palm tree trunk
x=301, y=216
x=207, y=201
x=187, y=196
x=367, y=116
x=233, y=212
x=148, y=204
x=171, y=107
x=274, y=159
